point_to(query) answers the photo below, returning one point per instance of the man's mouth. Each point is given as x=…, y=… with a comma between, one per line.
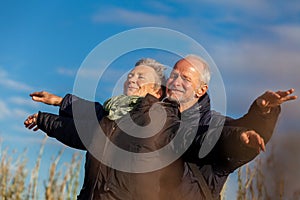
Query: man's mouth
x=175, y=90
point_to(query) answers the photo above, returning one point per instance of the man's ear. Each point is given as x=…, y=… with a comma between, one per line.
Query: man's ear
x=201, y=90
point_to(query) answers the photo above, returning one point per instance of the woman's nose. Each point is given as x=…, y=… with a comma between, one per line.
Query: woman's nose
x=132, y=79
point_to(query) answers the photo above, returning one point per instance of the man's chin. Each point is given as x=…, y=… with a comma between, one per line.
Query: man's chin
x=174, y=97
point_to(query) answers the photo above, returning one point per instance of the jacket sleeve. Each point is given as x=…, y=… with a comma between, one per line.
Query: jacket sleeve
x=230, y=153
x=263, y=124
x=61, y=128
x=84, y=107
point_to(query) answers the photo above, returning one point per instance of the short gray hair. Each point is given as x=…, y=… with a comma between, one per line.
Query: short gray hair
x=158, y=68
x=204, y=71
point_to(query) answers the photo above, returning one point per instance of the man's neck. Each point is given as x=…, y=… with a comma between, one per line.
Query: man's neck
x=185, y=106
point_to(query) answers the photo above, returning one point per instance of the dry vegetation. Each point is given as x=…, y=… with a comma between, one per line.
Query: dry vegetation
x=262, y=179
x=273, y=176
x=17, y=182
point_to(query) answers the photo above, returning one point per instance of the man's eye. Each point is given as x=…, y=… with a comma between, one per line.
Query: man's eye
x=130, y=76
x=186, y=79
x=173, y=76
x=141, y=77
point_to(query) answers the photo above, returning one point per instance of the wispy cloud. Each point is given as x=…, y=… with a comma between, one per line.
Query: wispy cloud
x=288, y=34
x=129, y=17
x=8, y=111
x=191, y=25
x=8, y=82
x=19, y=113
x=4, y=110
x=160, y=6
x=66, y=71
x=21, y=101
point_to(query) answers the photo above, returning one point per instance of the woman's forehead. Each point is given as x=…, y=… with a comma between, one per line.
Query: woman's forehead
x=145, y=70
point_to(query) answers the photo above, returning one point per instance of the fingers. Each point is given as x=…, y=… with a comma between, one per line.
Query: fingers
x=244, y=138
x=272, y=99
x=253, y=140
x=261, y=142
x=47, y=98
x=288, y=98
x=258, y=142
x=38, y=96
x=31, y=122
x=286, y=93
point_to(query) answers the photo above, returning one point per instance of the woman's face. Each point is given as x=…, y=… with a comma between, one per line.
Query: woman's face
x=140, y=81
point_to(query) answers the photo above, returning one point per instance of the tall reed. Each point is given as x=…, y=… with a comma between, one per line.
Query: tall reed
x=16, y=183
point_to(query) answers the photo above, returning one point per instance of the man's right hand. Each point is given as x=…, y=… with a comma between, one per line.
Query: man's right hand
x=47, y=98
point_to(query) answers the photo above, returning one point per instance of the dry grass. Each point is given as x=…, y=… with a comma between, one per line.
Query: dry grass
x=257, y=181
x=16, y=183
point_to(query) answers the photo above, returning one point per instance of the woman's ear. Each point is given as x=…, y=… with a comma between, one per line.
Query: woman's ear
x=158, y=93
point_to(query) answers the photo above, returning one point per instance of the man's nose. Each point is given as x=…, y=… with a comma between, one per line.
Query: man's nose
x=177, y=80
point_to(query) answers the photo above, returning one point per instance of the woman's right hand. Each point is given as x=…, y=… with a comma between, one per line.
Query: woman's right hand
x=47, y=98
x=31, y=122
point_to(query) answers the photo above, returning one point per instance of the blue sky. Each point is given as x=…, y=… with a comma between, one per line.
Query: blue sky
x=255, y=44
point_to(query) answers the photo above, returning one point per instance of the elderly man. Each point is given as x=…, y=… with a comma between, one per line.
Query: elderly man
x=188, y=84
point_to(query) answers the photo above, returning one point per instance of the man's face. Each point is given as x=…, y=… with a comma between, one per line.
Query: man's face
x=140, y=81
x=183, y=83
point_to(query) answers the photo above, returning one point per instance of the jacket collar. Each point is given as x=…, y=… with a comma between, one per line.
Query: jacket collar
x=202, y=106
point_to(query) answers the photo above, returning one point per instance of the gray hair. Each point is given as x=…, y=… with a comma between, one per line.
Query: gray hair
x=204, y=71
x=158, y=68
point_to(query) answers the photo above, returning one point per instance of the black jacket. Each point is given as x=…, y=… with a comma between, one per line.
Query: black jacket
x=161, y=180
x=199, y=123
x=217, y=150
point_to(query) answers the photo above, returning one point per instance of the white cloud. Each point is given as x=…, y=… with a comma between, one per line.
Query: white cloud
x=129, y=17
x=287, y=33
x=21, y=101
x=9, y=112
x=66, y=71
x=275, y=57
x=4, y=110
x=187, y=24
x=158, y=5
x=19, y=113
x=6, y=81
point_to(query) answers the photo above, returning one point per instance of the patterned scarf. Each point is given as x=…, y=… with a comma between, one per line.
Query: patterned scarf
x=119, y=106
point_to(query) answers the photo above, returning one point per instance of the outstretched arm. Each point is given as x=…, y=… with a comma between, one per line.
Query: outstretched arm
x=84, y=107
x=236, y=146
x=263, y=113
x=61, y=128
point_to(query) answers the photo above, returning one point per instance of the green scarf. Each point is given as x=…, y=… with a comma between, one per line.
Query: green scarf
x=119, y=106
